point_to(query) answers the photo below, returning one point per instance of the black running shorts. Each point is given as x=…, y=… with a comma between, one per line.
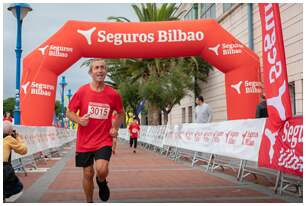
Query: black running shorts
x=85, y=159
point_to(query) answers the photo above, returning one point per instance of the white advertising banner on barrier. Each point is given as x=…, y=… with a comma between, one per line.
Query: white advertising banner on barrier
x=39, y=139
x=143, y=133
x=152, y=135
x=238, y=138
x=124, y=134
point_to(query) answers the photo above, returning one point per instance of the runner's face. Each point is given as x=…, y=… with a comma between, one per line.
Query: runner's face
x=98, y=72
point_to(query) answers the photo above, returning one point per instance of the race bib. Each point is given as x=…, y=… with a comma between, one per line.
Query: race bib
x=134, y=131
x=98, y=110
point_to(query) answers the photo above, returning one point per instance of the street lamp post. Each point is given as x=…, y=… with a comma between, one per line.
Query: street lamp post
x=19, y=10
x=69, y=95
x=63, y=84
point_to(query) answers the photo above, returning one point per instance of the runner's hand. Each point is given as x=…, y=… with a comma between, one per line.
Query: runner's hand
x=114, y=145
x=113, y=132
x=83, y=121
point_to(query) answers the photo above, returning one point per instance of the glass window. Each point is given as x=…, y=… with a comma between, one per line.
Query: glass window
x=190, y=114
x=183, y=115
x=208, y=11
x=226, y=7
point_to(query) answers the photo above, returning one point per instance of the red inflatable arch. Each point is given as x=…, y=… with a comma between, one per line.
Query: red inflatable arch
x=76, y=39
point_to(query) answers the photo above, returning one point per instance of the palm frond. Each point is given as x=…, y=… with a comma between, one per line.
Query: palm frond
x=138, y=12
x=119, y=19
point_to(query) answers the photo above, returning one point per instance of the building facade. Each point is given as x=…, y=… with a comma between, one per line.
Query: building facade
x=243, y=22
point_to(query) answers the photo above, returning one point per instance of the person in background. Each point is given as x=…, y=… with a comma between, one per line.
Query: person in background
x=203, y=113
x=134, y=129
x=7, y=117
x=12, y=187
x=261, y=108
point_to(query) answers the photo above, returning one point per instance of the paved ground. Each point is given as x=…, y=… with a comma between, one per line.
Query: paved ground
x=143, y=177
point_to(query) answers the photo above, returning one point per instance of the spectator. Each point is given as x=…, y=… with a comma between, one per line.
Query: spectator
x=7, y=117
x=261, y=108
x=203, y=113
x=12, y=187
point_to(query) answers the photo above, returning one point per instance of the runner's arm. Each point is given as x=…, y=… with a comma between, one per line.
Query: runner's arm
x=118, y=121
x=72, y=116
x=83, y=121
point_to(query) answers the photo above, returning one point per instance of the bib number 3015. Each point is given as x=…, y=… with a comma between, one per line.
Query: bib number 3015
x=98, y=110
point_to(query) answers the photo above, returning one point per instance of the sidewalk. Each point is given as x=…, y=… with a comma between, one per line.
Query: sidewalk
x=143, y=177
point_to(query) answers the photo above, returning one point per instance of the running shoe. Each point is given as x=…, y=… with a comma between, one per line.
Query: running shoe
x=103, y=190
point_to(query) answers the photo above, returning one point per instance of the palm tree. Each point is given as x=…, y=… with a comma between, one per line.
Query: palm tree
x=199, y=69
x=150, y=12
x=142, y=69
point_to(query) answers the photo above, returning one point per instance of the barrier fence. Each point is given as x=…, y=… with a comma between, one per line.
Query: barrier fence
x=233, y=144
x=42, y=143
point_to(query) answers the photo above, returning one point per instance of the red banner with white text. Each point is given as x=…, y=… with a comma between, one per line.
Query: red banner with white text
x=274, y=65
x=277, y=150
x=283, y=149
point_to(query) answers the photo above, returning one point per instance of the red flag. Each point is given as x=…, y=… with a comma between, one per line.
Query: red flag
x=274, y=64
x=275, y=151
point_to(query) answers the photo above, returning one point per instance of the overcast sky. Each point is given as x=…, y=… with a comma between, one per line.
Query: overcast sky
x=42, y=22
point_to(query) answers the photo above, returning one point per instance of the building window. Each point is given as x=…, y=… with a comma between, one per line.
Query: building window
x=226, y=7
x=183, y=115
x=190, y=114
x=189, y=15
x=292, y=97
x=208, y=11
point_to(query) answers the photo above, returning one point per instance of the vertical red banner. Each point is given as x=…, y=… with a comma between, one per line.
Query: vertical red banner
x=277, y=149
x=274, y=64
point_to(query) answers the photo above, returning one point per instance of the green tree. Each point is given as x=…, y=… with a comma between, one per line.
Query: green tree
x=142, y=69
x=150, y=12
x=58, y=109
x=199, y=69
x=167, y=90
x=130, y=96
x=9, y=105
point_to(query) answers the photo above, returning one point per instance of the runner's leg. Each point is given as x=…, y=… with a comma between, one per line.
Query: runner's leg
x=88, y=184
x=135, y=143
x=101, y=169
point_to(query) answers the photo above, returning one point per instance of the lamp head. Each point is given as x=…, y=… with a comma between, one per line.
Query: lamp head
x=24, y=9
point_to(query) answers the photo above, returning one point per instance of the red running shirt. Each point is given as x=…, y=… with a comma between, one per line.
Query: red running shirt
x=134, y=129
x=100, y=106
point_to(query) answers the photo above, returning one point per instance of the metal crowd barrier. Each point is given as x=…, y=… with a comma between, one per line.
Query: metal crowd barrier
x=284, y=183
x=30, y=161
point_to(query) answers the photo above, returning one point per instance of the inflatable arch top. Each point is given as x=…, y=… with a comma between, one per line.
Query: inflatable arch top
x=77, y=39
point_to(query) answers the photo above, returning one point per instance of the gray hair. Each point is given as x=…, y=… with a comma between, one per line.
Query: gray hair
x=7, y=127
x=95, y=60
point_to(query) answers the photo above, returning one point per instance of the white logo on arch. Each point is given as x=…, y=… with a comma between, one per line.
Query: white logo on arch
x=237, y=87
x=43, y=49
x=87, y=34
x=24, y=87
x=215, y=49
